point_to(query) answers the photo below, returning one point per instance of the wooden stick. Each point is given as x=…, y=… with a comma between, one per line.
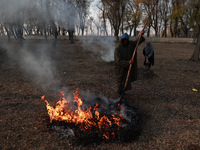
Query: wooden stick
x=129, y=70
x=130, y=66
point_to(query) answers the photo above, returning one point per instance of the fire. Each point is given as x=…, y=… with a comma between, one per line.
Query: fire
x=107, y=135
x=86, y=119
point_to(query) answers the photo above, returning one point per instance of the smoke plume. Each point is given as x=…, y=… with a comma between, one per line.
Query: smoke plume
x=103, y=46
x=34, y=61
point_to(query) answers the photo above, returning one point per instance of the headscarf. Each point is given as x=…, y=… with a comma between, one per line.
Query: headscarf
x=125, y=36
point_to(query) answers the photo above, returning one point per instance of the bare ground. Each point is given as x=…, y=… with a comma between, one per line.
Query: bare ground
x=167, y=106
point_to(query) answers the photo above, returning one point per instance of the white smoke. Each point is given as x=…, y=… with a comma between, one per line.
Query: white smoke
x=39, y=12
x=34, y=61
x=103, y=46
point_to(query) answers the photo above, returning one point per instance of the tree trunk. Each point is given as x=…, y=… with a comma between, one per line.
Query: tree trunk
x=130, y=33
x=165, y=30
x=38, y=31
x=176, y=28
x=71, y=36
x=63, y=32
x=196, y=54
x=116, y=36
x=82, y=31
x=104, y=24
x=149, y=30
x=156, y=32
x=45, y=32
x=8, y=33
x=171, y=30
x=122, y=28
x=55, y=34
x=19, y=34
x=135, y=30
x=105, y=29
x=186, y=32
x=78, y=30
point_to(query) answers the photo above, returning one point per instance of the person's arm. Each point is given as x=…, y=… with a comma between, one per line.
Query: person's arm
x=142, y=39
x=119, y=59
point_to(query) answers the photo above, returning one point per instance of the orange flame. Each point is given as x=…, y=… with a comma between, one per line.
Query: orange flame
x=107, y=135
x=84, y=118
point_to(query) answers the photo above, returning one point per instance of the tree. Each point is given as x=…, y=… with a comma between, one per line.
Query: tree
x=42, y=17
x=165, y=12
x=103, y=16
x=133, y=16
x=155, y=15
x=175, y=16
x=148, y=6
x=185, y=18
x=82, y=10
x=115, y=13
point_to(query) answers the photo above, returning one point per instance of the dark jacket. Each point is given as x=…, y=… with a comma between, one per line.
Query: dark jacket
x=123, y=54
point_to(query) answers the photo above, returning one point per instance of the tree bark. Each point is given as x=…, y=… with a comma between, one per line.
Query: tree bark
x=122, y=27
x=55, y=34
x=196, y=54
x=82, y=31
x=148, y=31
x=71, y=36
x=171, y=30
x=176, y=28
x=130, y=33
x=135, y=31
x=8, y=33
x=165, y=30
x=116, y=35
x=104, y=24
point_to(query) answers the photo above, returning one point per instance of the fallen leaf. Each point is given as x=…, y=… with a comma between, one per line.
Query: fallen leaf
x=195, y=90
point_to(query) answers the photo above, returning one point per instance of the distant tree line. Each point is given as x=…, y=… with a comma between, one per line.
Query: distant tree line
x=174, y=17
x=42, y=17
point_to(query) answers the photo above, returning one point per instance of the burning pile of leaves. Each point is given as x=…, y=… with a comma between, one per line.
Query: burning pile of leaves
x=93, y=119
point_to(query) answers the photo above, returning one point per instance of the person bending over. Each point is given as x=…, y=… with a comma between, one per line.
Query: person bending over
x=148, y=53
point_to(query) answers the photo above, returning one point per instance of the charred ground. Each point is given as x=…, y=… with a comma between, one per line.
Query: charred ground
x=167, y=107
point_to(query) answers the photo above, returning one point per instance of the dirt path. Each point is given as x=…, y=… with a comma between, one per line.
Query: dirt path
x=165, y=103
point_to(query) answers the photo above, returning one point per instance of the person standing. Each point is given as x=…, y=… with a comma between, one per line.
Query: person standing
x=148, y=53
x=123, y=58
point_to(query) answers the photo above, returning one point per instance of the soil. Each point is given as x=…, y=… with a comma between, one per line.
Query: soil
x=162, y=97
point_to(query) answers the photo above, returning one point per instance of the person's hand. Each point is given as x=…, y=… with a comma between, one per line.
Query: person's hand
x=142, y=32
x=131, y=61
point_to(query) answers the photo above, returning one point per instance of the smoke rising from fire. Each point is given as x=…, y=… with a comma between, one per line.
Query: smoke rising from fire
x=39, y=65
x=34, y=61
x=62, y=13
x=103, y=46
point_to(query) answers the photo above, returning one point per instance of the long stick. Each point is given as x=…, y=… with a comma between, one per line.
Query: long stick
x=130, y=66
x=129, y=70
